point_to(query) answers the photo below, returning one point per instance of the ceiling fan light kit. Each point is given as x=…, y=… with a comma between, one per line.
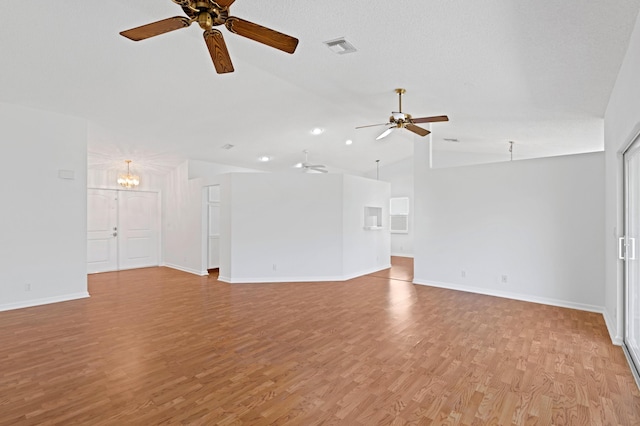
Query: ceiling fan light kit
x=209, y=14
x=400, y=120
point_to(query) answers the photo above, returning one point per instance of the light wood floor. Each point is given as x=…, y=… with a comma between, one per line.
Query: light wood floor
x=158, y=346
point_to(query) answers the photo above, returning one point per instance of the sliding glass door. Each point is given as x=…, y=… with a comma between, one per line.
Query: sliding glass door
x=628, y=251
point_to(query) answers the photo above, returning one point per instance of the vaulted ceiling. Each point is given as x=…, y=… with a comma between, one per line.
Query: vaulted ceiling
x=537, y=73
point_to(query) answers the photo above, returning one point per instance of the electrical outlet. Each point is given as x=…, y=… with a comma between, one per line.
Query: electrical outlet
x=275, y=267
x=27, y=287
x=463, y=273
x=504, y=279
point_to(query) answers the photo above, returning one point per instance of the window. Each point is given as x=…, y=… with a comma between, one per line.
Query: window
x=399, y=215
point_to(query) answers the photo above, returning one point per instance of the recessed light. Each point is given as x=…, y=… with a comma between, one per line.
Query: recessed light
x=348, y=142
x=264, y=158
x=317, y=131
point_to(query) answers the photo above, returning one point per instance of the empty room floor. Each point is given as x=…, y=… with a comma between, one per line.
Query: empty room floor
x=159, y=346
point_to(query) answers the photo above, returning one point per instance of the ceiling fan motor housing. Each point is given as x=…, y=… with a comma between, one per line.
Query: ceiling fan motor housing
x=205, y=20
x=400, y=120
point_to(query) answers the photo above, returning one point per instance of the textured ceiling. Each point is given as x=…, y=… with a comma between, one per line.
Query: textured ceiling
x=538, y=73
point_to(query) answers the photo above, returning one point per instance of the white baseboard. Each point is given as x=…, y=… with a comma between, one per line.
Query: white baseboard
x=515, y=296
x=189, y=270
x=612, y=328
x=402, y=255
x=632, y=366
x=43, y=301
x=301, y=279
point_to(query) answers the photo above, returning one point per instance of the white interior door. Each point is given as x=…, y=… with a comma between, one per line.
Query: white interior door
x=629, y=253
x=138, y=230
x=102, y=230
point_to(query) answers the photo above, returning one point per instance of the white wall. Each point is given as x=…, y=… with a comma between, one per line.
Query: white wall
x=107, y=179
x=621, y=125
x=286, y=227
x=539, y=222
x=225, y=227
x=444, y=159
x=291, y=221
x=43, y=242
x=400, y=176
x=184, y=231
x=210, y=173
x=182, y=222
x=364, y=251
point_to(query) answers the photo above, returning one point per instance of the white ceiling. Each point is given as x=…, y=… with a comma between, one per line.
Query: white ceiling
x=535, y=72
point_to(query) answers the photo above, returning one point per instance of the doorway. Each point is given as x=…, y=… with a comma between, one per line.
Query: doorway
x=628, y=253
x=401, y=269
x=123, y=230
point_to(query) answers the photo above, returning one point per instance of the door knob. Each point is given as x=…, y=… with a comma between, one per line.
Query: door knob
x=115, y=234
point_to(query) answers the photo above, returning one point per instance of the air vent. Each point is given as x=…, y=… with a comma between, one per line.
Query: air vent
x=227, y=146
x=340, y=46
x=451, y=140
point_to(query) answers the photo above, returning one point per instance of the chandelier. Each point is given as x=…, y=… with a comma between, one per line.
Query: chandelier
x=128, y=180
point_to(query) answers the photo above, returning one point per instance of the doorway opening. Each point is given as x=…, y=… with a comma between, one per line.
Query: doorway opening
x=401, y=269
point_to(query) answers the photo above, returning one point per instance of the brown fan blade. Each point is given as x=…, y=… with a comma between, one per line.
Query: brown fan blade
x=373, y=125
x=262, y=34
x=224, y=3
x=156, y=28
x=430, y=119
x=218, y=51
x=416, y=129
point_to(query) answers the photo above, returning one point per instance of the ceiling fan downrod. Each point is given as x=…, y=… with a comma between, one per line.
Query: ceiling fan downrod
x=400, y=92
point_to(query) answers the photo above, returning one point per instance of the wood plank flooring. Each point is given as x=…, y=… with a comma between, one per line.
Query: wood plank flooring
x=158, y=346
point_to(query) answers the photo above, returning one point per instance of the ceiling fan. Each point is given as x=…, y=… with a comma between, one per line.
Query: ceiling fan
x=400, y=120
x=311, y=168
x=209, y=14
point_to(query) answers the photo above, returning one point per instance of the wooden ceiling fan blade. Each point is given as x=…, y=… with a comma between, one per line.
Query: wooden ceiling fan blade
x=262, y=34
x=373, y=125
x=433, y=119
x=416, y=129
x=224, y=3
x=156, y=28
x=218, y=51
